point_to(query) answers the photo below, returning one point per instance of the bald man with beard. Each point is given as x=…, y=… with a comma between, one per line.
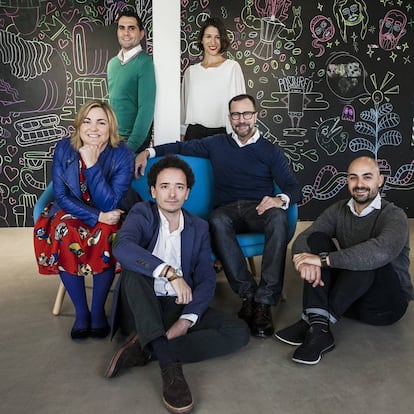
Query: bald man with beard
x=365, y=278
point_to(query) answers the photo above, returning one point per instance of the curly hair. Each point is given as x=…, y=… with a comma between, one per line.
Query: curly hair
x=170, y=161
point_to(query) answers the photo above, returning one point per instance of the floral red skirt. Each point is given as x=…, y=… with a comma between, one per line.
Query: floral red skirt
x=63, y=242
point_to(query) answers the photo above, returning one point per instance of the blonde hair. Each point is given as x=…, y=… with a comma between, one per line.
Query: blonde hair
x=83, y=112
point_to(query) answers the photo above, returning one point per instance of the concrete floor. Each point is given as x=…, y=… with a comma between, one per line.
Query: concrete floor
x=43, y=371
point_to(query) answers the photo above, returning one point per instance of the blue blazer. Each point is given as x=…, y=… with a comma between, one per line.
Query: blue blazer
x=108, y=181
x=136, y=240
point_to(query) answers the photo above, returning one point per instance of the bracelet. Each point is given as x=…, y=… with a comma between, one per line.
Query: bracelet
x=166, y=272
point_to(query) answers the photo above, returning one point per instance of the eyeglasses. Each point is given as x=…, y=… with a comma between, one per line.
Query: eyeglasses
x=235, y=116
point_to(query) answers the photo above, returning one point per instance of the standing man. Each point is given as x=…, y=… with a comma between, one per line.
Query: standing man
x=366, y=279
x=166, y=285
x=131, y=81
x=245, y=166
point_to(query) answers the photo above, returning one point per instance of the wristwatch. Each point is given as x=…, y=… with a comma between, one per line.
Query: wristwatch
x=324, y=261
x=176, y=273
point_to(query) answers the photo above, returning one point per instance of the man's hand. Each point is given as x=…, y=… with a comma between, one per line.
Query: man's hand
x=268, y=202
x=309, y=266
x=179, y=328
x=183, y=291
x=141, y=163
x=110, y=217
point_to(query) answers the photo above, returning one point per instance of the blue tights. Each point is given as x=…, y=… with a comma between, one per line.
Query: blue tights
x=75, y=285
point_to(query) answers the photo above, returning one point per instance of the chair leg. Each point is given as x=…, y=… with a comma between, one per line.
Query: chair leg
x=252, y=265
x=57, y=307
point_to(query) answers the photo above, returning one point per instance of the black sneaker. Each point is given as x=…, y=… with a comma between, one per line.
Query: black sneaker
x=316, y=343
x=247, y=310
x=293, y=334
x=262, y=323
x=128, y=355
x=176, y=393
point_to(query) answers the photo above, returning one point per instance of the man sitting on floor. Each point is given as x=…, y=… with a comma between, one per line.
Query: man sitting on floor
x=366, y=279
x=166, y=285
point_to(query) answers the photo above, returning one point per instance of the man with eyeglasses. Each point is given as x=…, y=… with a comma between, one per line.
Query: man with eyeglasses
x=245, y=166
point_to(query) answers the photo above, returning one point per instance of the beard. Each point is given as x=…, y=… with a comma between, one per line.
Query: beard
x=365, y=198
x=247, y=130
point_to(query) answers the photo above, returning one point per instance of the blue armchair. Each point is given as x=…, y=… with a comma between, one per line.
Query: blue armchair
x=200, y=203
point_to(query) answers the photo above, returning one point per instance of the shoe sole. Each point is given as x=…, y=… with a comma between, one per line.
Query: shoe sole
x=302, y=361
x=112, y=364
x=286, y=341
x=178, y=410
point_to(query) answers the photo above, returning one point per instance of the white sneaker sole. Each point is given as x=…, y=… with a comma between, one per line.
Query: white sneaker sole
x=302, y=361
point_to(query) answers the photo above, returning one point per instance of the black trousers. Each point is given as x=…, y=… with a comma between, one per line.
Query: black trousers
x=241, y=217
x=372, y=296
x=215, y=334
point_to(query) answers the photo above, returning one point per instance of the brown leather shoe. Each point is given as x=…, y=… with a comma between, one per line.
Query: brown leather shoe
x=128, y=355
x=176, y=393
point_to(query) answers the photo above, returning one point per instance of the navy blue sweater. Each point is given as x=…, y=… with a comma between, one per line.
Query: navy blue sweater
x=240, y=173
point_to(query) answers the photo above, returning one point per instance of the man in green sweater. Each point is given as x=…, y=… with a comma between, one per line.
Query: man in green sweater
x=131, y=81
x=366, y=279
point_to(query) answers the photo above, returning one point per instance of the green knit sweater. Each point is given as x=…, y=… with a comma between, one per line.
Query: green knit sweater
x=132, y=96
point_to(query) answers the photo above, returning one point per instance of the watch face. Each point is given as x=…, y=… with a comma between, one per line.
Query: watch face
x=179, y=272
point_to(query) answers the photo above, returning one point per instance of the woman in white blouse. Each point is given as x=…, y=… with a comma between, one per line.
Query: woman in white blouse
x=209, y=85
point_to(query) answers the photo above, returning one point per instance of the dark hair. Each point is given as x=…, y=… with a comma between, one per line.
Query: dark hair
x=170, y=161
x=218, y=24
x=240, y=98
x=130, y=12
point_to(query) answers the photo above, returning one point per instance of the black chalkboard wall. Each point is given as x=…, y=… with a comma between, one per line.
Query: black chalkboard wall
x=333, y=80
x=53, y=57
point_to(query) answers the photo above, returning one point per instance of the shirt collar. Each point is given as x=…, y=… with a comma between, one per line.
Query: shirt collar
x=251, y=140
x=166, y=226
x=375, y=205
x=127, y=56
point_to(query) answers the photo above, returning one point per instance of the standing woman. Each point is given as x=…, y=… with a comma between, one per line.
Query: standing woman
x=209, y=85
x=91, y=173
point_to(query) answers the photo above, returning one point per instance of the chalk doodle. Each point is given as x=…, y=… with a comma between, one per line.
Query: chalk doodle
x=392, y=28
x=323, y=31
x=315, y=88
x=53, y=57
x=350, y=14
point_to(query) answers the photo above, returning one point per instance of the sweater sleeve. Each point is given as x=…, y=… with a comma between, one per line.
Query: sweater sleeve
x=146, y=105
x=391, y=235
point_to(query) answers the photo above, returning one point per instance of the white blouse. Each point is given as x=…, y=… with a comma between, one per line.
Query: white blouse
x=206, y=92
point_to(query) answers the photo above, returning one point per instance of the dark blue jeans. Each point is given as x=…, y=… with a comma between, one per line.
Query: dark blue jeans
x=216, y=333
x=371, y=296
x=241, y=217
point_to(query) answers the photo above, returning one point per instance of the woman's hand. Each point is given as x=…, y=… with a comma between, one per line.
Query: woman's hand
x=110, y=217
x=90, y=153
